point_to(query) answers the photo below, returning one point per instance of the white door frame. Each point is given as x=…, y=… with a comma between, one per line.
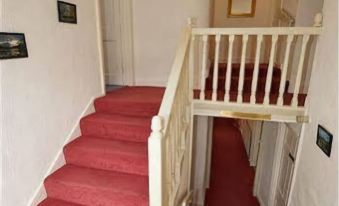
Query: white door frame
x=126, y=39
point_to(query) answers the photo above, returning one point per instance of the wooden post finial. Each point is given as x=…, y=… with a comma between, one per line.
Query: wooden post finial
x=318, y=20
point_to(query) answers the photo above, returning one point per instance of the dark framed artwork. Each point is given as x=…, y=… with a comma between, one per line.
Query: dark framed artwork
x=67, y=12
x=13, y=45
x=324, y=140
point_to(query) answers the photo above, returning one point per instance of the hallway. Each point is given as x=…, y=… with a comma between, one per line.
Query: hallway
x=231, y=176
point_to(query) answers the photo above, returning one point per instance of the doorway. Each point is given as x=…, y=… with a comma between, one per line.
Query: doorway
x=117, y=43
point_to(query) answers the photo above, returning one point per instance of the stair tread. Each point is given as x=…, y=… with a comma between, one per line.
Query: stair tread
x=56, y=202
x=86, y=185
x=108, y=154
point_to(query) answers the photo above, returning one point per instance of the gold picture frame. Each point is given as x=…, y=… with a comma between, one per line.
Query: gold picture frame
x=241, y=14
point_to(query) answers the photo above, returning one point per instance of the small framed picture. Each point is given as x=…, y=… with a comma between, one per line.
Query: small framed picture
x=324, y=140
x=13, y=45
x=67, y=12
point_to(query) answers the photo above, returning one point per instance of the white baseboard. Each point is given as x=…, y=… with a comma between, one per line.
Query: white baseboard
x=59, y=160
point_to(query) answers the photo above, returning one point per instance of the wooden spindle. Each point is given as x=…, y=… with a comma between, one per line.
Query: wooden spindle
x=256, y=70
x=284, y=71
x=299, y=71
x=191, y=66
x=270, y=71
x=229, y=68
x=216, y=67
x=242, y=69
x=203, y=68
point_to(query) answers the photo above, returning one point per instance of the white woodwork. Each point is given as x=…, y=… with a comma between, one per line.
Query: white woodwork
x=270, y=70
x=242, y=69
x=203, y=68
x=259, y=30
x=171, y=140
x=256, y=70
x=112, y=42
x=299, y=70
x=216, y=67
x=229, y=69
x=284, y=70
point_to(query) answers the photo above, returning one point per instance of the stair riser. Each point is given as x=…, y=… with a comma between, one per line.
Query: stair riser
x=130, y=164
x=247, y=85
x=147, y=110
x=92, y=196
x=116, y=131
x=248, y=72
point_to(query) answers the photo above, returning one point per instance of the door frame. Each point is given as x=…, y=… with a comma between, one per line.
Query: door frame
x=126, y=39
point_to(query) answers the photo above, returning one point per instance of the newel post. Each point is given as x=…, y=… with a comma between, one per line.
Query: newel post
x=156, y=164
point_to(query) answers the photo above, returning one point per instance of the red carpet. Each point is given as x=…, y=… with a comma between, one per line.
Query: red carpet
x=231, y=176
x=108, y=164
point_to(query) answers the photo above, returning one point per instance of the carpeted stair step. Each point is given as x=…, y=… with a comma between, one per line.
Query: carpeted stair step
x=118, y=127
x=56, y=202
x=106, y=154
x=136, y=101
x=247, y=84
x=249, y=68
x=94, y=187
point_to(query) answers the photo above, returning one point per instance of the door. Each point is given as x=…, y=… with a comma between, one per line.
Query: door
x=112, y=42
x=288, y=155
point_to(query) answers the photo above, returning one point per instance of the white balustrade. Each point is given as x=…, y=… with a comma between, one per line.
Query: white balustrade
x=170, y=143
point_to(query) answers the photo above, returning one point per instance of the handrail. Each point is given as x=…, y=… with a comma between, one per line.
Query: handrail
x=259, y=31
x=170, y=141
x=173, y=81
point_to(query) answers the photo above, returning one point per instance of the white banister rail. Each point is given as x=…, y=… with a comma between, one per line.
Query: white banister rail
x=169, y=144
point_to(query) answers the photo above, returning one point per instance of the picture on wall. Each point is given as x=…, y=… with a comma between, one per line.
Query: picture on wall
x=67, y=12
x=12, y=45
x=324, y=140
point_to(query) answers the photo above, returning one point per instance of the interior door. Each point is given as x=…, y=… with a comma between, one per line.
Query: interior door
x=111, y=42
x=287, y=166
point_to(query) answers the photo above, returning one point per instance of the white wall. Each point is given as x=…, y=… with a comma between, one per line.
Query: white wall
x=317, y=175
x=263, y=15
x=157, y=27
x=44, y=95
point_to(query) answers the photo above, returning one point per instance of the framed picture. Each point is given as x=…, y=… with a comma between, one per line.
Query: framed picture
x=67, y=12
x=12, y=45
x=243, y=8
x=324, y=140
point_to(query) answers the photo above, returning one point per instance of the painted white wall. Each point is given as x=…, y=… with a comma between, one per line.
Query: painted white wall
x=157, y=27
x=317, y=175
x=43, y=95
x=263, y=15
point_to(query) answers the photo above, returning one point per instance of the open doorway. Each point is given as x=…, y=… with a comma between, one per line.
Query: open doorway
x=117, y=43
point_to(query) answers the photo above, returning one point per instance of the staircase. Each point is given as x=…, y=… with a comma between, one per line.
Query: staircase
x=108, y=164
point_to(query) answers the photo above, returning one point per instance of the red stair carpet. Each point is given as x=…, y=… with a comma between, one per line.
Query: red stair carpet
x=231, y=176
x=108, y=164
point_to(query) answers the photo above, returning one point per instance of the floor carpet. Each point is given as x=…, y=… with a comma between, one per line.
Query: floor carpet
x=231, y=176
x=108, y=164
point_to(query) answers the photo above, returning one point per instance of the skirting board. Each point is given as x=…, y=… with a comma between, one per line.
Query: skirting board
x=59, y=160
